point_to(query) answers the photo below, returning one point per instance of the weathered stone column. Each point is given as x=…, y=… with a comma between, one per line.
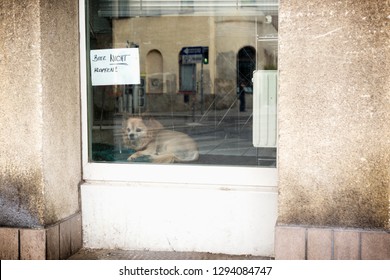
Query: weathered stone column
x=334, y=129
x=40, y=165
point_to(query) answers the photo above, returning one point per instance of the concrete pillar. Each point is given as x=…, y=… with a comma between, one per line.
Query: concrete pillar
x=334, y=125
x=40, y=147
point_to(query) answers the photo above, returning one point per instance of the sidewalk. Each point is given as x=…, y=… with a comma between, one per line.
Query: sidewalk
x=104, y=254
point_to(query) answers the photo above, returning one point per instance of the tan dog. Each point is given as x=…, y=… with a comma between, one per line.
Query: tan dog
x=149, y=138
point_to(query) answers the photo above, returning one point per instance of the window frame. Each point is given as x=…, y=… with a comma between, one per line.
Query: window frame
x=158, y=173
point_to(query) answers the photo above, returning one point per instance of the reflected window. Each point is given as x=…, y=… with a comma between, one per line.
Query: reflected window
x=154, y=69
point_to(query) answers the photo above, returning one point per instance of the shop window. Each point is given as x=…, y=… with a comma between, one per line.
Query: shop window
x=183, y=73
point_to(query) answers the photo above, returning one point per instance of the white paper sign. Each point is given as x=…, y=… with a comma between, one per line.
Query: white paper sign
x=115, y=67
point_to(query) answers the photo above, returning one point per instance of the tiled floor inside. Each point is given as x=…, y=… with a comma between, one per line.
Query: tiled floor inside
x=104, y=254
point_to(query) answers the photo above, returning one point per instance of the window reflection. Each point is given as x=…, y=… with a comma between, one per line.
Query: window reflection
x=210, y=101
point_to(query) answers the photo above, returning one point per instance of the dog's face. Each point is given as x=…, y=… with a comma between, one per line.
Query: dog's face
x=138, y=133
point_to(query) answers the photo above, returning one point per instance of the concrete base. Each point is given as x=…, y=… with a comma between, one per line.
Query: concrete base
x=55, y=242
x=179, y=217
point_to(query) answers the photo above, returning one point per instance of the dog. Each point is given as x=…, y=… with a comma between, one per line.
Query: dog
x=149, y=138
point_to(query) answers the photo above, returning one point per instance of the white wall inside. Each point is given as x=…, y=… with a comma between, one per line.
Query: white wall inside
x=179, y=217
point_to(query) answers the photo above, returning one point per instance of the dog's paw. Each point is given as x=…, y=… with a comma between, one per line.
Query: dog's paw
x=132, y=157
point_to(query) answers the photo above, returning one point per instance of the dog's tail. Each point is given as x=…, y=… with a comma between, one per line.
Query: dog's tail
x=189, y=156
x=163, y=158
x=186, y=156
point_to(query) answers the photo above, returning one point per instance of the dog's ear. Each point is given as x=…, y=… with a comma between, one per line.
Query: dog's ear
x=147, y=119
x=124, y=121
x=153, y=124
x=145, y=115
x=125, y=118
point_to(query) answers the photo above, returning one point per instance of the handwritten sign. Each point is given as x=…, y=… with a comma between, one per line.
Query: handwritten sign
x=115, y=67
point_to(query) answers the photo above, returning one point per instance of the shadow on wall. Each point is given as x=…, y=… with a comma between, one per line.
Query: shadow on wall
x=20, y=198
x=12, y=214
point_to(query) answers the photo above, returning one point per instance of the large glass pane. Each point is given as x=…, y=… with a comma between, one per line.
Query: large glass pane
x=182, y=81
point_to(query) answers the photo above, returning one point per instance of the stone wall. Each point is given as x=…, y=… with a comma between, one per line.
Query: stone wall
x=334, y=114
x=40, y=162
